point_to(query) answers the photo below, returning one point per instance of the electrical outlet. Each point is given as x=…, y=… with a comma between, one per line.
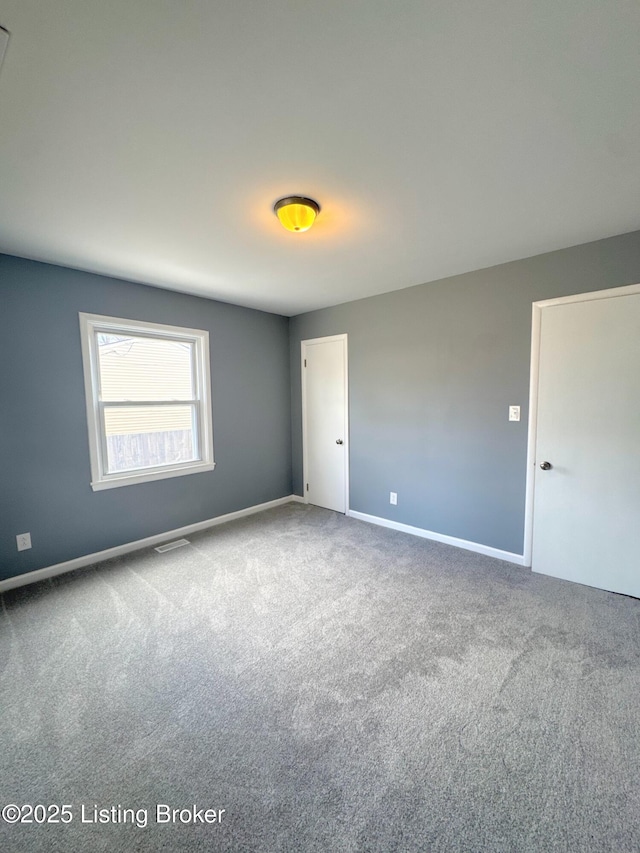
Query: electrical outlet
x=393, y=498
x=23, y=541
x=514, y=413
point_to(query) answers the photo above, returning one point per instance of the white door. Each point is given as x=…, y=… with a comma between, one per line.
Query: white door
x=324, y=422
x=586, y=507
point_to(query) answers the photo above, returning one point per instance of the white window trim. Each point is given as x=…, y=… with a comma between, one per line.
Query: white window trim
x=92, y=323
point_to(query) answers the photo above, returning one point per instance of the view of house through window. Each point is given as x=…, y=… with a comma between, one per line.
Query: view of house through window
x=154, y=373
x=149, y=403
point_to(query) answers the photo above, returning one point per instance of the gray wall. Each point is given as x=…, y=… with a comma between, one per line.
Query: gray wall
x=432, y=371
x=44, y=455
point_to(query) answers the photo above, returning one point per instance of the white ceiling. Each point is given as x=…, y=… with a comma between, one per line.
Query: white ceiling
x=149, y=139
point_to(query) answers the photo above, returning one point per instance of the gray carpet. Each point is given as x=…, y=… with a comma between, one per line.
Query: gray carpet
x=333, y=686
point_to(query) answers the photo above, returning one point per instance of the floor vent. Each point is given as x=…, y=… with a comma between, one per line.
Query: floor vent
x=171, y=545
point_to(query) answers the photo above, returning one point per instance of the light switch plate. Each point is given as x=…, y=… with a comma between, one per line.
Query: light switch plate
x=514, y=413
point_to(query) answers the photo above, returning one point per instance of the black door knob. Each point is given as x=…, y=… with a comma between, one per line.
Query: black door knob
x=339, y=441
x=546, y=466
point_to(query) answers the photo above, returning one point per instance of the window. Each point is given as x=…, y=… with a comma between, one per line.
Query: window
x=148, y=400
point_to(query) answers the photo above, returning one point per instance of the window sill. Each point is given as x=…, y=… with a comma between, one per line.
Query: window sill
x=113, y=481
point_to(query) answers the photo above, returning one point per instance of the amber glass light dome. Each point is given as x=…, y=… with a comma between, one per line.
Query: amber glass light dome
x=296, y=213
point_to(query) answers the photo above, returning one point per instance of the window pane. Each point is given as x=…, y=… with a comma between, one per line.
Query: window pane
x=147, y=436
x=144, y=368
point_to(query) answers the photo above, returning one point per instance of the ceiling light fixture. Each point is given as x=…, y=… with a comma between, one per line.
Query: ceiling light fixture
x=296, y=213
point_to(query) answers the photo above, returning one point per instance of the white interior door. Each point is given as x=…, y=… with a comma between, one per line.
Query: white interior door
x=586, y=507
x=325, y=424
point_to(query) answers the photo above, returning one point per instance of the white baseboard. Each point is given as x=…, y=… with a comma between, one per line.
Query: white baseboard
x=99, y=556
x=518, y=559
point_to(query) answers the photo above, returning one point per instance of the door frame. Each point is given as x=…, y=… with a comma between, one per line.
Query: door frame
x=303, y=353
x=536, y=326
